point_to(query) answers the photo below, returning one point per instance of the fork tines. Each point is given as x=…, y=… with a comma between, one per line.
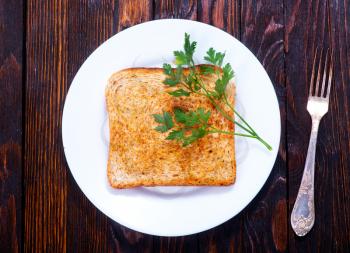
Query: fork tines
x=326, y=68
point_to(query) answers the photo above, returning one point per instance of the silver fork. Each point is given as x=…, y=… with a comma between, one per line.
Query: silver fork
x=303, y=214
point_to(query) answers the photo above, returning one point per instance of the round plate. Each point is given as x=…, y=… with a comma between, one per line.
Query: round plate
x=167, y=211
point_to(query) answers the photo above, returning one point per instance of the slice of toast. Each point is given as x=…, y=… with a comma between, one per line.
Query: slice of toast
x=141, y=156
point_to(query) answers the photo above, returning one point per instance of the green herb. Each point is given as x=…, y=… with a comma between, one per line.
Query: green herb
x=190, y=126
x=193, y=125
x=179, y=93
x=206, y=70
x=165, y=120
x=215, y=58
x=221, y=83
x=174, y=76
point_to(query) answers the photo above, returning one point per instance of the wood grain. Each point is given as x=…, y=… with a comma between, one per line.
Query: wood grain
x=45, y=211
x=134, y=12
x=320, y=24
x=222, y=14
x=265, y=221
x=45, y=176
x=11, y=94
x=175, y=9
x=87, y=227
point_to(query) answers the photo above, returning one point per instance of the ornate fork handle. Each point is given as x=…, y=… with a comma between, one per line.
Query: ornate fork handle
x=303, y=214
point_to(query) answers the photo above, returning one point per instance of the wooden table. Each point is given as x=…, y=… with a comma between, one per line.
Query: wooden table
x=43, y=44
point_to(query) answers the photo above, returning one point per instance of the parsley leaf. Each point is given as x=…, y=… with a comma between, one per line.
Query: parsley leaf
x=192, y=118
x=191, y=125
x=204, y=116
x=168, y=121
x=180, y=58
x=189, y=47
x=161, y=128
x=214, y=57
x=165, y=120
x=221, y=83
x=195, y=125
x=168, y=70
x=181, y=117
x=179, y=93
x=196, y=134
x=158, y=118
x=227, y=72
x=170, y=82
x=174, y=76
x=192, y=81
x=176, y=135
x=206, y=69
x=185, y=57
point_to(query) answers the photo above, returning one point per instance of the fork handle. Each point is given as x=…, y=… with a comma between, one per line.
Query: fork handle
x=303, y=214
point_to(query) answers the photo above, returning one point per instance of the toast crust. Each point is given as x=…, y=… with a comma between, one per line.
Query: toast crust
x=140, y=156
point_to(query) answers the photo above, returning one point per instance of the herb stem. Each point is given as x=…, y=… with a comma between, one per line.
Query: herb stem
x=231, y=133
x=248, y=129
x=227, y=102
x=215, y=130
x=223, y=112
x=238, y=115
x=264, y=142
x=246, y=123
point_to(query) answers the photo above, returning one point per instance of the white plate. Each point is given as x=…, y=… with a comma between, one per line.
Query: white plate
x=167, y=211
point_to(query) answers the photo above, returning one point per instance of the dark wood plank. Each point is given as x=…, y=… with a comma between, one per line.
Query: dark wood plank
x=311, y=24
x=176, y=244
x=339, y=122
x=90, y=24
x=262, y=32
x=175, y=9
x=265, y=221
x=134, y=12
x=11, y=150
x=222, y=14
x=45, y=176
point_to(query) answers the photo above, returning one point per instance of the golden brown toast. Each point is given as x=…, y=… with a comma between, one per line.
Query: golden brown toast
x=141, y=156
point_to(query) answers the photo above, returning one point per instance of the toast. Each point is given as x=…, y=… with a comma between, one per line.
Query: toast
x=141, y=156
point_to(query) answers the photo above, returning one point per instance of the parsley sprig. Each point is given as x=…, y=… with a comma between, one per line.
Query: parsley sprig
x=189, y=126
